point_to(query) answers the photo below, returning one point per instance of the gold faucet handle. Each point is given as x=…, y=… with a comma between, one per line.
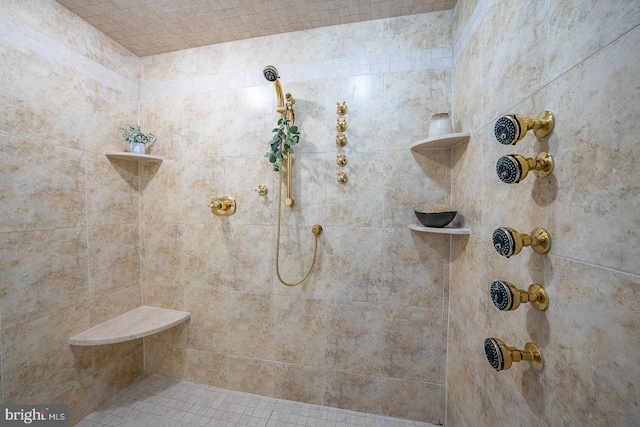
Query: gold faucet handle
x=262, y=190
x=223, y=206
x=342, y=109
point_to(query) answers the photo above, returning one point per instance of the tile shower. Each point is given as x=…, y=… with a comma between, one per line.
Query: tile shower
x=385, y=325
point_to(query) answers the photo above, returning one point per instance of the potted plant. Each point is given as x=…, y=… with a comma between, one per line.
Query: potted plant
x=137, y=139
x=284, y=138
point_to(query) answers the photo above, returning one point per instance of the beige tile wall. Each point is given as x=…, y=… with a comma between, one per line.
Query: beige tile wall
x=69, y=239
x=580, y=60
x=367, y=331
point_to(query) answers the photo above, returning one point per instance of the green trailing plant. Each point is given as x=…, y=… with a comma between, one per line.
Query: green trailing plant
x=284, y=138
x=133, y=133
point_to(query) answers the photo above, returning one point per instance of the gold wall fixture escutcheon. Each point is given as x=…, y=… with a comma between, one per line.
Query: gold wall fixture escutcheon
x=223, y=206
x=511, y=128
x=508, y=242
x=342, y=109
x=500, y=356
x=316, y=229
x=341, y=160
x=343, y=178
x=513, y=168
x=262, y=190
x=507, y=297
x=341, y=140
x=341, y=124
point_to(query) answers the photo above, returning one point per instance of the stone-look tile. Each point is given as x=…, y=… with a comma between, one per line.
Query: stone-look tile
x=299, y=383
x=367, y=174
x=162, y=191
x=314, y=115
x=79, y=397
x=299, y=331
x=117, y=374
x=206, y=368
x=202, y=180
x=52, y=19
x=250, y=325
x=516, y=61
x=603, y=22
x=365, y=98
x=42, y=100
x=242, y=175
x=352, y=263
x=412, y=400
x=249, y=117
x=464, y=356
x=352, y=391
x=468, y=184
x=110, y=305
x=205, y=256
x=104, y=354
x=413, y=267
x=597, y=160
x=209, y=328
x=501, y=403
x=461, y=14
x=162, y=246
x=468, y=79
x=37, y=360
x=165, y=352
x=454, y=417
x=114, y=258
x=41, y=272
x=467, y=270
x=108, y=110
x=108, y=52
x=251, y=255
x=205, y=134
x=163, y=116
x=413, y=347
x=591, y=350
x=415, y=181
x=410, y=99
x=353, y=337
x=296, y=260
x=112, y=190
x=251, y=375
x=43, y=186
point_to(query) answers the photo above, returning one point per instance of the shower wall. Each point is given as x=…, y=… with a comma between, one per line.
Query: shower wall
x=69, y=250
x=579, y=59
x=367, y=330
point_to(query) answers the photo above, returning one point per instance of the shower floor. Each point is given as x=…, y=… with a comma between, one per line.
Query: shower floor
x=154, y=401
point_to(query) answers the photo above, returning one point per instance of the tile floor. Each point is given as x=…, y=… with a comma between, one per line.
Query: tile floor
x=154, y=401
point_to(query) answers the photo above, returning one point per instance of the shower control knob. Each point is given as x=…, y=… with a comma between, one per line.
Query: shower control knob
x=512, y=128
x=508, y=242
x=506, y=297
x=341, y=140
x=341, y=124
x=500, y=356
x=514, y=168
x=343, y=178
x=342, y=109
x=341, y=160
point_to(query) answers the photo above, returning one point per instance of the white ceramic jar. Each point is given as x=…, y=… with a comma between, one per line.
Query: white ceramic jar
x=440, y=125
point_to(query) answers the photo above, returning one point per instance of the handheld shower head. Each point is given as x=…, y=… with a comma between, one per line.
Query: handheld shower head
x=270, y=73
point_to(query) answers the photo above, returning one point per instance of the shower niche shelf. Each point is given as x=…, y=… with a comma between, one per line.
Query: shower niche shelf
x=440, y=230
x=441, y=142
x=137, y=323
x=125, y=155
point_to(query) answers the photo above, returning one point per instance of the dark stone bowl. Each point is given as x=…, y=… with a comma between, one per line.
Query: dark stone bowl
x=435, y=219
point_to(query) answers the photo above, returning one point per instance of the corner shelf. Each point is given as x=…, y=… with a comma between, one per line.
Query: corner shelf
x=125, y=155
x=441, y=230
x=441, y=142
x=137, y=323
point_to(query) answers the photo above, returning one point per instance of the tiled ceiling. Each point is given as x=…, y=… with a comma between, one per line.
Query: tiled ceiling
x=148, y=27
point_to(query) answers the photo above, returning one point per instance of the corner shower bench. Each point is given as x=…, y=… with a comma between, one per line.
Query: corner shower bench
x=137, y=323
